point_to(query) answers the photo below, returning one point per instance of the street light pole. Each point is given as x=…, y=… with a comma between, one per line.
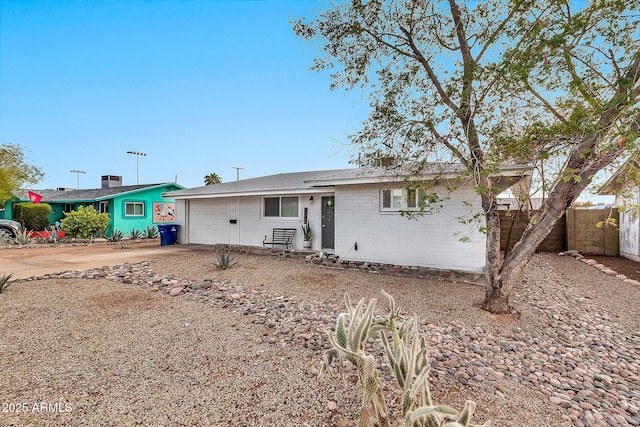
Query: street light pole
x=137, y=154
x=238, y=169
x=78, y=172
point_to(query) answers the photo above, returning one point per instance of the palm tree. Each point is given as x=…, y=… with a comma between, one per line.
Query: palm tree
x=211, y=179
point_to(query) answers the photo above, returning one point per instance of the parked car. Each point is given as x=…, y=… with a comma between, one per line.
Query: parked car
x=9, y=229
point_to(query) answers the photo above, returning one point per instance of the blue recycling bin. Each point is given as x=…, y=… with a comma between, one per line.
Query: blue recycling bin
x=168, y=234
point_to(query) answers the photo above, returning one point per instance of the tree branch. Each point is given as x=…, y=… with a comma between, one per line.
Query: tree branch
x=468, y=69
x=576, y=78
x=608, y=116
x=417, y=55
x=380, y=40
x=467, y=60
x=615, y=64
x=454, y=150
x=493, y=37
x=595, y=70
x=546, y=103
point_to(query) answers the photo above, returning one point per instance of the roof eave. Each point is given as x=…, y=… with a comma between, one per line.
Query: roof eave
x=135, y=191
x=515, y=171
x=250, y=193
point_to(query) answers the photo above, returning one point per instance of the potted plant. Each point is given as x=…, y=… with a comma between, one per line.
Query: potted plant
x=307, y=235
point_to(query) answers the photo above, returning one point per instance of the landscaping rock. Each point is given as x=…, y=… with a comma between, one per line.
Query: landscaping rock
x=176, y=291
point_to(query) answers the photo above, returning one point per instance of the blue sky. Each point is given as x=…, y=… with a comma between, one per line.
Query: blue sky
x=199, y=86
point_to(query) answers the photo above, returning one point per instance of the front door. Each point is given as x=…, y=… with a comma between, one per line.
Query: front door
x=328, y=216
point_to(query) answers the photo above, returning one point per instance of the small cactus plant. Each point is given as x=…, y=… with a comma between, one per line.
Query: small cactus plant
x=135, y=234
x=224, y=260
x=406, y=350
x=352, y=331
x=116, y=236
x=51, y=235
x=4, y=281
x=151, y=232
x=24, y=237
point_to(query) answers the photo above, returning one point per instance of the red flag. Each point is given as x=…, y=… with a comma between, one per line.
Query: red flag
x=35, y=198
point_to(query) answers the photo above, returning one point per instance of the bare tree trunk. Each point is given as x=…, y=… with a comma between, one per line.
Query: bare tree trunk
x=493, y=290
x=586, y=161
x=503, y=276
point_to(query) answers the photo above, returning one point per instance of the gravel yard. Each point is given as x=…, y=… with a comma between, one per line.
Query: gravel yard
x=242, y=346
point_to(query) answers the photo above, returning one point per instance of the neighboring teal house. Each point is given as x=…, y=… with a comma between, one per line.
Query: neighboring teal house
x=128, y=206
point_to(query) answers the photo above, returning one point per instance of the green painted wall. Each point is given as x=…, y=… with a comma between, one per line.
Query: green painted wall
x=8, y=210
x=148, y=198
x=123, y=222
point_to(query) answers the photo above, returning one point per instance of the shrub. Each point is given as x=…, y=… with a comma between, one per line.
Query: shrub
x=406, y=351
x=32, y=216
x=4, y=281
x=85, y=222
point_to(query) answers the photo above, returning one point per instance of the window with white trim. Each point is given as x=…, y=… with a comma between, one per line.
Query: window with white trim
x=134, y=208
x=280, y=207
x=103, y=207
x=397, y=199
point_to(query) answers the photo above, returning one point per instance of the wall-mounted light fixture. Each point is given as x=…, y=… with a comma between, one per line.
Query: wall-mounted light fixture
x=311, y=198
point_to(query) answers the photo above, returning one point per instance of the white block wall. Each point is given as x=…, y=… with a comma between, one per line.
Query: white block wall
x=630, y=232
x=180, y=218
x=250, y=228
x=391, y=238
x=253, y=228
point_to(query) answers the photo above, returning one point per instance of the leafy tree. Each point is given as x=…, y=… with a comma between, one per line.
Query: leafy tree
x=549, y=83
x=85, y=222
x=211, y=179
x=15, y=172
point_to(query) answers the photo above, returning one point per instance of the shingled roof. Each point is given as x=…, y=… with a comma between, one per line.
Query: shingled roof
x=88, y=195
x=318, y=181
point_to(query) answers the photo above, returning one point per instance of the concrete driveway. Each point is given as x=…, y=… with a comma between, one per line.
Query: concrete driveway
x=41, y=260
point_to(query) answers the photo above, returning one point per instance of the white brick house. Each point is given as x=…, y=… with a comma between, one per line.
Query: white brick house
x=354, y=213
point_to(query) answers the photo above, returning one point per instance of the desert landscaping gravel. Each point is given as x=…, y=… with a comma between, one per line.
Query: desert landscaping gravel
x=242, y=346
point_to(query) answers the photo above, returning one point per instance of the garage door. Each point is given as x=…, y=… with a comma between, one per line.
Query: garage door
x=208, y=221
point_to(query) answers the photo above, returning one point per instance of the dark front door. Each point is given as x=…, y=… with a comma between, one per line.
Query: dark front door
x=328, y=216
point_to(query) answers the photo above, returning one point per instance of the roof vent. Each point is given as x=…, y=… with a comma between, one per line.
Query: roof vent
x=109, y=181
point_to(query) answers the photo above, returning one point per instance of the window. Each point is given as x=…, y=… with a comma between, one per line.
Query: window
x=289, y=207
x=281, y=207
x=69, y=207
x=392, y=199
x=134, y=208
x=272, y=206
x=401, y=198
x=103, y=207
